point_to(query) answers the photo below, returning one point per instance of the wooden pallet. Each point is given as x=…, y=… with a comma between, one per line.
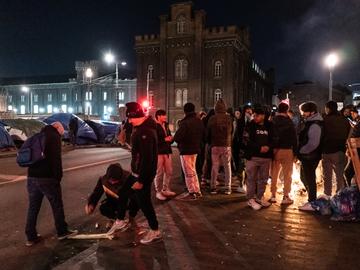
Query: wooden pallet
x=353, y=145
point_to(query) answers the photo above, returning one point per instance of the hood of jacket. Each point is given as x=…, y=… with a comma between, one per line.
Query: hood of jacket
x=220, y=106
x=314, y=117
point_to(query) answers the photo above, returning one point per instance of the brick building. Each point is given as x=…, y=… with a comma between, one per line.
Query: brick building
x=188, y=62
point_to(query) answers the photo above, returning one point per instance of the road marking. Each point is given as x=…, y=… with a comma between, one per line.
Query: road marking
x=24, y=177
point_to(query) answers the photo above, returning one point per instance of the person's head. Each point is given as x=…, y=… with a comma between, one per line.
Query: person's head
x=160, y=116
x=220, y=106
x=59, y=127
x=331, y=107
x=291, y=114
x=283, y=108
x=114, y=171
x=189, y=108
x=229, y=110
x=248, y=109
x=135, y=113
x=237, y=114
x=354, y=113
x=259, y=115
x=347, y=110
x=308, y=109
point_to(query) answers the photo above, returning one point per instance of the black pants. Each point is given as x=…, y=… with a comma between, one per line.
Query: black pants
x=308, y=177
x=51, y=189
x=143, y=200
x=349, y=172
x=116, y=209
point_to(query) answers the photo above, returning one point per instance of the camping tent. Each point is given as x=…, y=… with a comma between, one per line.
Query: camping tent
x=84, y=135
x=5, y=139
x=111, y=129
x=99, y=130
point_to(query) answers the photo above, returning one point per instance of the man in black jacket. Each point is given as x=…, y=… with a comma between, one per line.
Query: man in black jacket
x=189, y=137
x=144, y=153
x=44, y=180
x=164, y=164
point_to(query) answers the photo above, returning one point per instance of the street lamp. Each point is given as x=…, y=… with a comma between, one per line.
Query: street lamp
x=110, y=59
x=331, y=61
x=26, y=89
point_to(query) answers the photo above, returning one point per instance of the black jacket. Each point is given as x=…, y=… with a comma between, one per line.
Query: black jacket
x=190, y=135
x=51, y=166
x=284, y=133
x=144, y=151
x=164, y=147
x=256, y=136
x=336, y=132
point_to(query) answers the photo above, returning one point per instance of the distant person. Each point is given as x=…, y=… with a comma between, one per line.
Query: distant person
x=336, y=132
x=309, y=150
x=73, y=130
x=164, y=170
x=44, y=180
x=219, y=129
x=285, y=145
x=206, y=169
x=189, y=137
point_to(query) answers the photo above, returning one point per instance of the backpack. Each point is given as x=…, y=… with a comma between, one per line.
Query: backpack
x=32, y=150
x=345, y=204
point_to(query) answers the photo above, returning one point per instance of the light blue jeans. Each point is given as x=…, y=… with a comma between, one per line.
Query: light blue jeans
x=221, y=156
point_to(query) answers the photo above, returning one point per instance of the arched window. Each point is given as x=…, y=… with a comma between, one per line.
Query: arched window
x=218, y=69
x=185, y=96
x=178, y=97
x=151, y=71
x=181, y=69
x=218, y=94
x=180, y=24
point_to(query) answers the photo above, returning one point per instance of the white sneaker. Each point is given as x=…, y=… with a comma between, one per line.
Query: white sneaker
x=160, y=196
x=272, y=199
x=168, y=193
x=306, y=207
x=119, y=225
x=241, y=190
x=287, y=200
x=254, y=205
x=151, y=236
x=263, y=202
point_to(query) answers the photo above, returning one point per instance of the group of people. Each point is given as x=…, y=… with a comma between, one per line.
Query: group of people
x=250, y=145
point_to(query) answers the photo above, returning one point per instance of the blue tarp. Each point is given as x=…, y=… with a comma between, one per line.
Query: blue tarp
x=99, y=130
x=5, y=139
x=85, y=134
x=111, y=129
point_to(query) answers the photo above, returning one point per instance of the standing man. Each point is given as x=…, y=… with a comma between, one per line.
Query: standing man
x=309, y=152
x=219, y=132
x=144, y=155
x=336, y=132
x=44, y=180
x=285, y=144
x=189, y=137
x=164, y=164
x=73, y=129
x=258, y=152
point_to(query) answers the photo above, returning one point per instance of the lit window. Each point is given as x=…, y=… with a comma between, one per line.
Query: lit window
x=184, y=96
x=64, y=108
x=36, y=98
x=178, y=98
x=22, y=109
x=10, y=108
x=105, y=109
x=22, y=98
x=150, y=72
x=76, y=96
x=105, y=95
x=90, y=95
x=63, y=97
x=49, y=98
x=87, y=96
x=36, y=108
x=218, y=69
x=10, y=99
x=217, y=94
x=180, y=25
x=181, y=69
x=49, y=108
x=121, y=95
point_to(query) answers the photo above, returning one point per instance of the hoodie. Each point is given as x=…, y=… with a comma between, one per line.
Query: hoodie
x=144, y=151
x=336, y=132
x=310, y=138
x=220, y=126
x=284, y=133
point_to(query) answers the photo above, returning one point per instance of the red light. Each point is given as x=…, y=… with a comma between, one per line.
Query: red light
x=145, y=104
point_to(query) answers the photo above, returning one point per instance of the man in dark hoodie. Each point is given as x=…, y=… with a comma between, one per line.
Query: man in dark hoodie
x=309, y=152
x=144, y=153
x=258, y=152
x=219, y=132
x=285, y=145
x=336, y=132
x=189, y=137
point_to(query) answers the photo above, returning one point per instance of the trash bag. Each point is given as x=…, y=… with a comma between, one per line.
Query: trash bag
x=346, y=204
x=323, y=206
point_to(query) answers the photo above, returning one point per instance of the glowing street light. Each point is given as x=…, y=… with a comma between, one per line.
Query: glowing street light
x=111, y=59
x=25, y=89
x=89, y=73
x=331, y=60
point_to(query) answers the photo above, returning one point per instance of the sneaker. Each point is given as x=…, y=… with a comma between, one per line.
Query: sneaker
x=272, y=199
x=198, y=194
x=213, y=191
x=306, y=207
x=227, y=192
x=160, y=196
x=189, y=197
x=67, y=234
x=263, y=202
x=287, y=200
x=151, y=236
x=30, y=243
x=241, y=190
x=254, y=205
x=119, y=225
x=168, y=193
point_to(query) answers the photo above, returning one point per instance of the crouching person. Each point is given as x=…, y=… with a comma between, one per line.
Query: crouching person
x=116, y=184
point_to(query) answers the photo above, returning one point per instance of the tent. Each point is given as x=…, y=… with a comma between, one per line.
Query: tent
x=99, y=130
x=5, y=139
x=111, y=129
x=85, y=134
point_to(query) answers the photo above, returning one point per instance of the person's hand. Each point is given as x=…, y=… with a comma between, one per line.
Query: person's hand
x=137, y=186
x=89, y=209
x=264, y=149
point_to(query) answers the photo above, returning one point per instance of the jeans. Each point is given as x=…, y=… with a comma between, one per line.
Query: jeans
x=308, y=177
x=257, y=170
x=188, y=165
x=333, y=162
x=116, y=209
x=163, y=173
x=283, y=158
x=221, y=155
x=51, y=189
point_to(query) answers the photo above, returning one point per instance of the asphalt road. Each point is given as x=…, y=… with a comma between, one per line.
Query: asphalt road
x=217, y=232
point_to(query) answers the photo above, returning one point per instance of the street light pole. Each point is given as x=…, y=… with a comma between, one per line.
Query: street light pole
x=117, y=74
x=147, y=84
x=331, y=61
x=330, y=84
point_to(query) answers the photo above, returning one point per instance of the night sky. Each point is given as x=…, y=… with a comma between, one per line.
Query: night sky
x=46, y=37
